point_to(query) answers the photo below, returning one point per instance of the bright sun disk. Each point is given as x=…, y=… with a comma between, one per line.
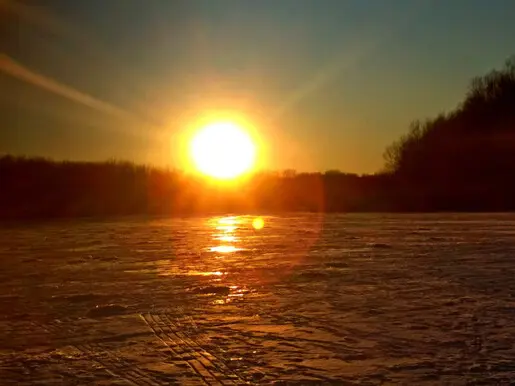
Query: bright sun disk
x=223, y=150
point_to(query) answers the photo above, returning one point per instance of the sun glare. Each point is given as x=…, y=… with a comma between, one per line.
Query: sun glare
x=223, y=150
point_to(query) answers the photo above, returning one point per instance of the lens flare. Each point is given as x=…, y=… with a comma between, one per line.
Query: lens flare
x=258, y=223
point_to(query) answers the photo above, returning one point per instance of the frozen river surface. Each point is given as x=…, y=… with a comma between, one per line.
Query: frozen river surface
x=300, y=299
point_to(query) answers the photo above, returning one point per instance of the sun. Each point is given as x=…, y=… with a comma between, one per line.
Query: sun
x=223, y=150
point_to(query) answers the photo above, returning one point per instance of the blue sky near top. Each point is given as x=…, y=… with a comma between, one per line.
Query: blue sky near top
x=328, y=83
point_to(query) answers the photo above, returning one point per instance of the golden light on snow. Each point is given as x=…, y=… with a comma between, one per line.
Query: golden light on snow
x=231, y=220
x=258, y=223
x=226, y=226
x=224, y=249
x=202, y=273
x=227, y=238
x=223, y=150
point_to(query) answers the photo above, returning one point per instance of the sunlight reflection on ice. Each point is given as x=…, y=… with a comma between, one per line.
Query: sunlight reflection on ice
x=164, y=268
x=231, y=220
x=226, y=238
x=200, y=273
x=236, y=293
x=227, y=226
x=224, y=249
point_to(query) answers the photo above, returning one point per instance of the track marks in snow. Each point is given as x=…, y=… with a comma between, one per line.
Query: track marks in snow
x=212, y=369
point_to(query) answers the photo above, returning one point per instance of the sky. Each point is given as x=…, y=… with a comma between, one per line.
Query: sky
x=327, y=84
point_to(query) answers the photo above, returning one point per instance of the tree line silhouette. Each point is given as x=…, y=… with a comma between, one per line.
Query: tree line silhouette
x=462, y=160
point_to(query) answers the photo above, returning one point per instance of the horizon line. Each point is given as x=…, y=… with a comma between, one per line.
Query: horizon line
x=4, y=155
